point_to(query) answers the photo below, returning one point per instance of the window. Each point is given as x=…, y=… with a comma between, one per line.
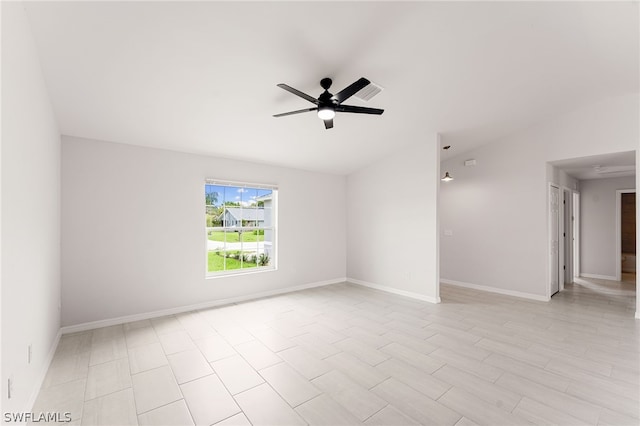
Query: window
x=240, y=227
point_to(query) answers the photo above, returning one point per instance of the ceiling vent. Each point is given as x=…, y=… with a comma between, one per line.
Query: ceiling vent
x=368, y=92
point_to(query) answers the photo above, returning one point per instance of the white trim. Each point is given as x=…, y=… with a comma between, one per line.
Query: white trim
x=599, y=277
x=575, y=200
x=243, y=271
x=438, y=148
x=567, y=235
x=220, y=182
x=549, y=236
x=210, y=304
x=43, y=373
x=496, y=290
x=619, y=193
x=393, y=290
x=637, y=314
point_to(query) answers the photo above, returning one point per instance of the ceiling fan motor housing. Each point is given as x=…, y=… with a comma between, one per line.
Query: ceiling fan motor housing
x=325, y=83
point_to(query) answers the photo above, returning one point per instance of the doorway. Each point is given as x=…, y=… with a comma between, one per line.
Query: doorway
x=554, y=239
x=575, y=234
x=625, y=232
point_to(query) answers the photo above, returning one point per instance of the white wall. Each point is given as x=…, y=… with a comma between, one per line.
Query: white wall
x=134, y=237
x=392, y=238
x=561, y=178
x=497, y=210
x=30, y=214
x=598, y=224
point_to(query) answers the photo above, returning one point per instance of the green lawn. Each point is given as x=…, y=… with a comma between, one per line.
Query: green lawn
x=216, y=263
x=234, y=237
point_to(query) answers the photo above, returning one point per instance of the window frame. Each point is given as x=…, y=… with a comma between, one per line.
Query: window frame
x=273, y=228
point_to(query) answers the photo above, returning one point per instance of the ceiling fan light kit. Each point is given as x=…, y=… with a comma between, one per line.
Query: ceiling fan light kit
x=328, y=104
x=447, y=177
x=326, y=113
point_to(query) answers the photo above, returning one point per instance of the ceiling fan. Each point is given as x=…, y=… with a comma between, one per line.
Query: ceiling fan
x=328, y=104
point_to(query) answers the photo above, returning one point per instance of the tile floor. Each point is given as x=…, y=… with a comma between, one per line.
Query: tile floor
x=345, y=355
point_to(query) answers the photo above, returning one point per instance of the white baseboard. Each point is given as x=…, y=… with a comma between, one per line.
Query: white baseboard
x=599, y=277
x=43, y=373
x=178, y=310
x=395, y=291
x=495, y=290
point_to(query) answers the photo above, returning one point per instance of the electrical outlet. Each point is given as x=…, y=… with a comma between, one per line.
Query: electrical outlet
x=29, y=351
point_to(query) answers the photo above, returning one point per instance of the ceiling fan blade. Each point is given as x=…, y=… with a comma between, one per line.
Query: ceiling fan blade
x=351, y=90
x=358, y=109
x=295, y=112
x=328, y=124
x=298, y=93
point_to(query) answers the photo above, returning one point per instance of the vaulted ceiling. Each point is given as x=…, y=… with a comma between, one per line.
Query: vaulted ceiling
x=201, y=77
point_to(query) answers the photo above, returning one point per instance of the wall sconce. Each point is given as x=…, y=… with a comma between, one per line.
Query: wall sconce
x=447, y=177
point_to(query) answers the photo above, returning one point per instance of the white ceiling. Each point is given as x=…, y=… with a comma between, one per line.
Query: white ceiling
x=201, y=77
x=619, y=164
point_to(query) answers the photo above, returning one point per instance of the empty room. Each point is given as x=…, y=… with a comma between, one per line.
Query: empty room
x=319, y=213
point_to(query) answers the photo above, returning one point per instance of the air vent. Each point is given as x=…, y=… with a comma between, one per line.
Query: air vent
x=368, y=92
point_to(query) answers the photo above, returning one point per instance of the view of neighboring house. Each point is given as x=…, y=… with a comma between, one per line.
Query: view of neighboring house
x=238, y=216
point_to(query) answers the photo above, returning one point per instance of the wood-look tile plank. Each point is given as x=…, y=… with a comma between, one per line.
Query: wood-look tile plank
x=354, y=398
x=478, y=410
x=107, y=378
x=305, y=363
x=114, y=409
x=389, y=416
x=236, y=374
x=360, y=372
x=470, y=365
x=487, y=391
x=541, y=414
x=528, y=371
x=175, y=413
x=571, y=405
x=414, y=377
x=290, y=385
x=263, y=406
x=414, y=358
x=208, y=400
x=323, y=410
x=414, y=404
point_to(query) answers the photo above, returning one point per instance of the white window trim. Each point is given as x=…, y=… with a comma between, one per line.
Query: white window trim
x=273, y=228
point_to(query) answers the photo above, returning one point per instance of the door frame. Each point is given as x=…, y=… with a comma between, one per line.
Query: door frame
x=549, y=262
x=576, y=233
x=619, y=193
x=565, y=251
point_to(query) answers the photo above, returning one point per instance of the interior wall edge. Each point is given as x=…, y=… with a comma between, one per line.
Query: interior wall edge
x=43, y=372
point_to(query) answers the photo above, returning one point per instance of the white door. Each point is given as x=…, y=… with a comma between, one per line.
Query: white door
x=554, y=239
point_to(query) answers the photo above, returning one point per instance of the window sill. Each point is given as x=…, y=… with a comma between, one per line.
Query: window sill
x=216, y=275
